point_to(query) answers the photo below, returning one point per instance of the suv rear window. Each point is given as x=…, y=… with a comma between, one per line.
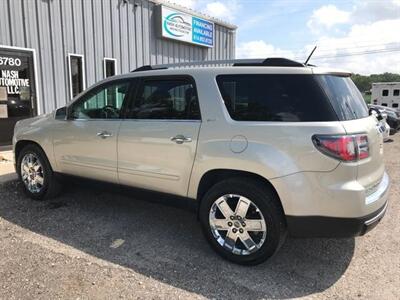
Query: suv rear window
x=275, y=97
x=345, y=97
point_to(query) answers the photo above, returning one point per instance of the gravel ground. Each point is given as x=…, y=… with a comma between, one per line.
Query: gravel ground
x=93, y=243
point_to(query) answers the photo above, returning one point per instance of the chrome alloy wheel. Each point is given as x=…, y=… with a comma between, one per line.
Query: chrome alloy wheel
x=237, y=224
x=32, y=173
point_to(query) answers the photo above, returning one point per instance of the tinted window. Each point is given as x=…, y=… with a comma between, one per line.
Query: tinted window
x=103, y=103
x=166, y=99
x=385, y=93
x=271, y=97
x=396, y=92
x=346, y=99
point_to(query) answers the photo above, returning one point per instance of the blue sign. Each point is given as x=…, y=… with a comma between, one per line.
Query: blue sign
x=202, y=32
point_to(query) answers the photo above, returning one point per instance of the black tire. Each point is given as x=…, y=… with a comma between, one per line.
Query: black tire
x=266, y=201
x=51, y=187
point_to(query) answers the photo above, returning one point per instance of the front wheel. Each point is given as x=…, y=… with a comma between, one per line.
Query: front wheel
x=242, y=220
x=35, y=173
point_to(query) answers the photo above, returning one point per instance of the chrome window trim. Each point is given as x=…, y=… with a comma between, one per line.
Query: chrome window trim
x=139, y=120
x=84, y=120
x=164, y=120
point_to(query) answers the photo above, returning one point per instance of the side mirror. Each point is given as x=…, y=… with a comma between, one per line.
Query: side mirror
x=61, y=113
x=376, y=112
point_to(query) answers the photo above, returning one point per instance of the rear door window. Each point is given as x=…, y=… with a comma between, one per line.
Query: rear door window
x=275, y=97
x=166, y=99
x=345, y=97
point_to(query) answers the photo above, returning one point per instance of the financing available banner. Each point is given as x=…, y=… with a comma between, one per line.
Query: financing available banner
x=187, y=28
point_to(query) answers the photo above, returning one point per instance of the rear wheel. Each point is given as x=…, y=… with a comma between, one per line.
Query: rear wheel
x=242, y=220
x=35, y=173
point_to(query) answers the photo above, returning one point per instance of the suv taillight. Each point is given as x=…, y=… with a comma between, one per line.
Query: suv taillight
x=343, y=147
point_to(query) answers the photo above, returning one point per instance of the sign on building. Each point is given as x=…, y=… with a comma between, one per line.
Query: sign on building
x=180, y=26
x=17, y=89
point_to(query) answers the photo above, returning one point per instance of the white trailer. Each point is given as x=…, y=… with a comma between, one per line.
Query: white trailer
x=386, y=94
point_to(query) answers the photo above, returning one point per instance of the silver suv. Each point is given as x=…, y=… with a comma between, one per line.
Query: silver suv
x=264, y=147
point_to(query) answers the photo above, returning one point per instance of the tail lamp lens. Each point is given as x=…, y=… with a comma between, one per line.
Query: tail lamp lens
x=343, y=147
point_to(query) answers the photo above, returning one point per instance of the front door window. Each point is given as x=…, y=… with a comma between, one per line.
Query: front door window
x=103, y=103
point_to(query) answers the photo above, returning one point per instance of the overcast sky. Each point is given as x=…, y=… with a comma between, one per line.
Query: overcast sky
x=361, y=36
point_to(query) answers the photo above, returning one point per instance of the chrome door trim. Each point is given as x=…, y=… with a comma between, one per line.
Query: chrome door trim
x=86, y=165
x=130, y=171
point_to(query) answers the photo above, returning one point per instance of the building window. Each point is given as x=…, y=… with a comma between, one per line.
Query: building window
x=385, y=93
x=395, y=105
x=396, y=92
x=384, y=104
x=110, y=67
x=76, y=74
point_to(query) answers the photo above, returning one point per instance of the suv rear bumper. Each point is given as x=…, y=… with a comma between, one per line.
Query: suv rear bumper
x=371, y=207
x=316, y=226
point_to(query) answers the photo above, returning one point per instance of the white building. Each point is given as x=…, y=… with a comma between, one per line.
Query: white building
x=386, y=94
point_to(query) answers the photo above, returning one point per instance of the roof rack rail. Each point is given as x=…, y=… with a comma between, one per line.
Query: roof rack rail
x=148, y=68
x=271, y=62
x=268, y=62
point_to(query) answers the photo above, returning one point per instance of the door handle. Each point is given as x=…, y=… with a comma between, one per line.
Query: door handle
x=180, y=139
x=104, y=134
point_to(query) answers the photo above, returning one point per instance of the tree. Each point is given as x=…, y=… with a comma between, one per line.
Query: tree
x=364, y=83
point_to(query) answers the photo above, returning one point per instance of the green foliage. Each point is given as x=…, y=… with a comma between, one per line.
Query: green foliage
x=367, y=98
x=364, y=83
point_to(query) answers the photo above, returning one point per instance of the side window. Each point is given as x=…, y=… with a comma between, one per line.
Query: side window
x=171, y=99
x=103, y=103
x=385, y=93
x=277, y=98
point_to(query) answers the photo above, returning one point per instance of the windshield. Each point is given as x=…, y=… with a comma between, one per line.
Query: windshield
x=346, y=99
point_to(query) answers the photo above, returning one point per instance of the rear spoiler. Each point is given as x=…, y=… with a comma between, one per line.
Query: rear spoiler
x=327, y=71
